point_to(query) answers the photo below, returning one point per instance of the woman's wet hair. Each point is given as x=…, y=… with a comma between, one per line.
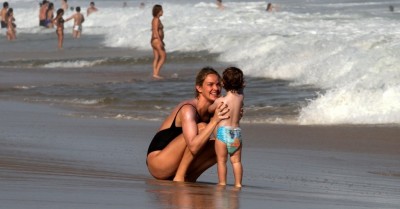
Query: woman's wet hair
x=156, y=9
x=201, y=76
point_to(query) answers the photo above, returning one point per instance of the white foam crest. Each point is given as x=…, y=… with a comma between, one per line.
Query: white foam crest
x=73, y=64
x=23, y=87
x=345, y=54
x=354, y=106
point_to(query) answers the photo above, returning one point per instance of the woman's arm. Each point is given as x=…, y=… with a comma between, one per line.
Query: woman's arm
x=155, y=24
x=195, y=140
x=69, y=18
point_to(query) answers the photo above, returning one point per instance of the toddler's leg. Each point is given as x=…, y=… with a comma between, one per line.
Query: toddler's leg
x=236, y=160
x=221, y=151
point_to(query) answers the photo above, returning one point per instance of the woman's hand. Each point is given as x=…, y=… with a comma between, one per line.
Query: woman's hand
x=221, y=112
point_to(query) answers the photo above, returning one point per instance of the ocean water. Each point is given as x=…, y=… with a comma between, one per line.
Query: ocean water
x=310, y=62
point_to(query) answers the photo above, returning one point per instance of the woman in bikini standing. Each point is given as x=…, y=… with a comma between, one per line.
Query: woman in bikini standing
x=182, y=149
x=157, y=41
x=59, y=22
x=11, y=32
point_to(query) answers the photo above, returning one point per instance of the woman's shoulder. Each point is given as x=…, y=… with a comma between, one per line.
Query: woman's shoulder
x=189, y=102
x=187, y=105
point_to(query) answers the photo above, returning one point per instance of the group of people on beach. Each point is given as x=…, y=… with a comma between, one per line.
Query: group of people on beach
x=47, y=19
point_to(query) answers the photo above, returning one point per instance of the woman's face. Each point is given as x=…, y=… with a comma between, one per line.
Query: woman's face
x=211, y=87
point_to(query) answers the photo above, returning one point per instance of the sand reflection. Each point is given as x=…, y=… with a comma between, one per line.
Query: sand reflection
x=193, y=195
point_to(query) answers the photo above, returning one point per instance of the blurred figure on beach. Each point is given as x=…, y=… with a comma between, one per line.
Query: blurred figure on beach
x=220, y=5
x=59, y=22
x=49, y=16
x=11, y=32
x=42, y=13
x=78, y=20
x=3, y=14
x=271, y=7
x=124, y=4
x=391, y=8
x=91, y=9
x=141, y=5
x=157, y=41
x=228, y=133
x=64, y=5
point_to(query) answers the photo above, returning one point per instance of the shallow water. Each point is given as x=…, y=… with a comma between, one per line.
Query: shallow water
x=311, y=62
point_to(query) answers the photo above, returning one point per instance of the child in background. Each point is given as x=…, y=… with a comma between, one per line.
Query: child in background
x=228, y=132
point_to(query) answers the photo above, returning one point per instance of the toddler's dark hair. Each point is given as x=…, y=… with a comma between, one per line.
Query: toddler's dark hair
x=233, y=79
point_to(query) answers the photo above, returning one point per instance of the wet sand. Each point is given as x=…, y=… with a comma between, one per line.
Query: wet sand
x=49, y=159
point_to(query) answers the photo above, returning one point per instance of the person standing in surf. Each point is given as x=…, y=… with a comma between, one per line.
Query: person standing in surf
x=78, y=20
x=59, y=22
x=157, y=41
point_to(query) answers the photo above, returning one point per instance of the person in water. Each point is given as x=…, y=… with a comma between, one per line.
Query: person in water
x=182, y=150
x=92, y=8
x=157, y=41
x=78, y=20
x=271, y=7
x=228, y=132
x=49, y=16
x=59, y=22
x=220, y=6
x=42, y=13
x=11, y=31
x=3, y=14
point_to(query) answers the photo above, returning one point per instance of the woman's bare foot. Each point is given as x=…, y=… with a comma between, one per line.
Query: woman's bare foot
x=178, y=179
x=157, y=77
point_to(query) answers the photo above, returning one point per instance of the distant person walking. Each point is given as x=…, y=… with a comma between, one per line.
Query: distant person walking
x=78, y=20
x=92, y=8
x=157, y=41
x=59, y=22
x=3, y=14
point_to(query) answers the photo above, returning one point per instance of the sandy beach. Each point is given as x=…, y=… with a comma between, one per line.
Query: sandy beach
x=50, y=159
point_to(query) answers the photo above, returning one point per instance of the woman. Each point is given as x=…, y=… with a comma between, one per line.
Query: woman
x=157, y=41
x=59, y=21
x=49, y=16
x=182, y=149
x=11, y=32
